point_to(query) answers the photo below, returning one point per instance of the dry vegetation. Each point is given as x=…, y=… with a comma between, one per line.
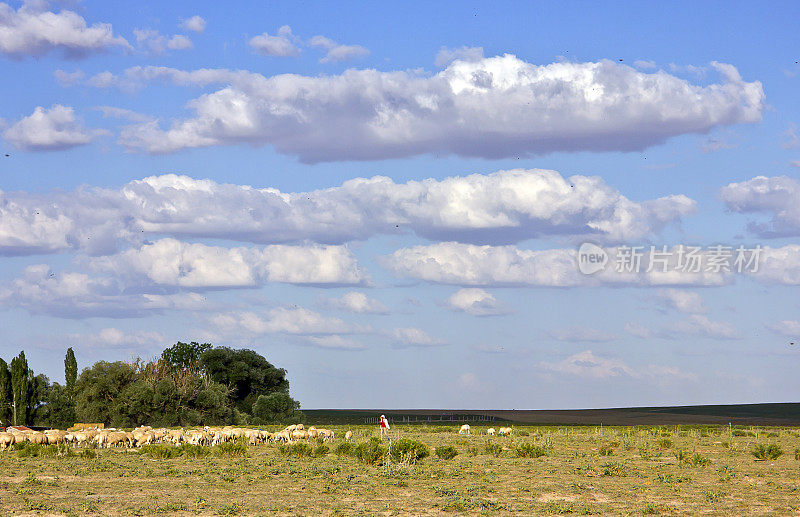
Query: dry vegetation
x=549, y=471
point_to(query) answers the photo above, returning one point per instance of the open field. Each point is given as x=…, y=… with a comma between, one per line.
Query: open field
x=545, y=470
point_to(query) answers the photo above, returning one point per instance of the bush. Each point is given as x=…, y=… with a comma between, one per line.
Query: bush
x=666, y=443
x=345, y=449
x=409, y=449
x=494, y=449
x=369, y=452
x=27, y=449
x=321, y=450
x=194, y=451
x=606, y=450
x=298, y=449
x=698, y=460
x=797, y=454
x=446, y=452
x=231, y=449
x=739, y=432
x=161, y=451
x=767, y=452
x=529, y=450
x=521, y=432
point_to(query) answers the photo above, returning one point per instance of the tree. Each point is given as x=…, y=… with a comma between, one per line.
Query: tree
x=6, y=396
x=276, y=407
x=19, y=386
x=98, y=389
x=182, y=356
x=246, y=373
x=70, y=373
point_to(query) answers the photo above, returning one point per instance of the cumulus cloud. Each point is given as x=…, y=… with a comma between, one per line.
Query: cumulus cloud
x=282, y=320
x=506, y=206
x=682, y=300
x=116, y=338
x=470, y=265
x=195, y=24
x=65, y=78
x=414, y=337
x=492, y=108
x=53, y=129
x=155, y=43
x=777, y=197
x=337, y=52
x=356, y=302
x=581, y=334
x=701, y=326
x=587, y=364
x=476, y=302
x=284, y=44
x=40, y=290
x=33, y=31
x=445, y=56
x=637, y=330
x=788, y=328
x=170, y=262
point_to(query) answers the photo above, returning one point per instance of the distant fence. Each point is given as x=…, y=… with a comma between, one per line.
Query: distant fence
x=422, y=419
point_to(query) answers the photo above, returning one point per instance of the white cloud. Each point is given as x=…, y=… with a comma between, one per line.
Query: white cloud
x=103, y=80
x=282, y=45
x=335, y=342
x=645, y=65
x=778, y=197
x=65, y=78
x=635, y=329
x=169, y=262
x=195, y=24
x=414, y=337
x=506, y=206
x=701, y=326
x=445, y=56
x=470, y=265
x=586, y=364
x=32, y=31
x=114, y=112
x=356, y=302
x=788, y=328
x=683, y=301
x=712, y=145
x=492, y=108
x=283, y=320
x=41, y=290
x=581, y=334
x=336, y=52
x=155, y=43
x=115, y=338
x=53, y=129
x=476, y=302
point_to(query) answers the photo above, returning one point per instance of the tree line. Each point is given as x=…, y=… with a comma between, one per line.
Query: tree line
x=190, y=384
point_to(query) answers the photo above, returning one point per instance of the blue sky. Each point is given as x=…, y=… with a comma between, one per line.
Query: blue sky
x=388, y=201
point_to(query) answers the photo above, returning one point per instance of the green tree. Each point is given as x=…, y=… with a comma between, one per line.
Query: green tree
x=6, y=396
x=19, y=387
x=70, y=372
x=98, y=389
x=246, y=373
x=37, y=410
x=60, y=410
x=182, y=356
x=276, y=407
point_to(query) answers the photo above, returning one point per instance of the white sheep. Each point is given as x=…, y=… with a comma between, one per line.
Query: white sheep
x=465, y=429
x=491, y=431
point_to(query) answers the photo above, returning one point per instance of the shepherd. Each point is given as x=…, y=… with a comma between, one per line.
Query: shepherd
x=384, y=426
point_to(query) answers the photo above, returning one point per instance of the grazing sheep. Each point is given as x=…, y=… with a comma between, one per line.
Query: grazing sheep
x=348, y=435
x=465, y=429
x=505, y=431
x=490, y=432
x=6, y=440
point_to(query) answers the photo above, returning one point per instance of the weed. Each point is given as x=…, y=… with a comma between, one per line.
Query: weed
x=529, y=450
x=767, y=452
x=446, y=452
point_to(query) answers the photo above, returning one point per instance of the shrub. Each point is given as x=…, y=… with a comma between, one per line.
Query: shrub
x=369, y=452
x=446, y=452
x=739, y=432
x=411, y=449
x=797, y=454
x=767, y=452
x=298, y=449
x=698, y=460
x=529, y=450
x=606, y=450
x=231, y=449
x=194, y=451
x=161, y=451
x=321, y=450
x=27, y=449
x=666, y=443
x=88, y=454
x=521, y=432
x=494, y=449
x=345, y=449
x=612, y=469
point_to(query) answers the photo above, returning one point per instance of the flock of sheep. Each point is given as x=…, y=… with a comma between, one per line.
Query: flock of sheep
x=207, y=436
x=146, y=435
x=503, y=431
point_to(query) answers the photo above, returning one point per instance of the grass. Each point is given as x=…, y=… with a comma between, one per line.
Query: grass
x=489, y=476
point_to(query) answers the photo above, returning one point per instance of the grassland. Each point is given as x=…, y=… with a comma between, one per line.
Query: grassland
x=563, y=470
